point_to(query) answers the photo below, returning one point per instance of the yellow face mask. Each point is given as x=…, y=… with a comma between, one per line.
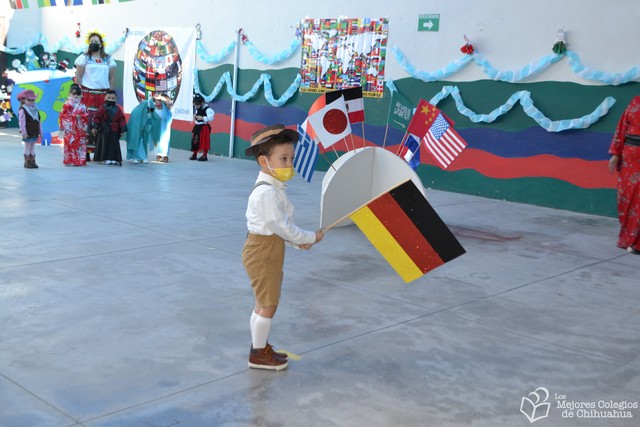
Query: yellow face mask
x=281, y=174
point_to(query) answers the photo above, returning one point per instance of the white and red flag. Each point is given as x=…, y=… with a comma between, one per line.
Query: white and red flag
x=330, y=123
x=354, y=100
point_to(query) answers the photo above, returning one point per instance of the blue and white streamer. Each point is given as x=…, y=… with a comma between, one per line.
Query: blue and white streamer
x=441, y=74
x=216, y=58
x=613, y=79
x=63, y=44
x=264, y=79
x=524, y=97
x=278, y=57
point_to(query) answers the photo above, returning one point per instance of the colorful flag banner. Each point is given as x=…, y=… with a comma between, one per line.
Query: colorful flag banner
x=342, y=53
x=443, y=142
x=408, y=233
x=354, y=101
x=159, y=61
x=422, y=119
x=306, y=154
x=411, y=151
x=331, y=123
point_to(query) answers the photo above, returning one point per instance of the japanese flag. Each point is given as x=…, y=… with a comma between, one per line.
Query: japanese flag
x=331, y=123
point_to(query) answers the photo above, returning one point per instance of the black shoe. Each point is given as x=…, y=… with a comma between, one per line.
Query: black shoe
x=203, y=158
x=634, y=251
x=194, y=156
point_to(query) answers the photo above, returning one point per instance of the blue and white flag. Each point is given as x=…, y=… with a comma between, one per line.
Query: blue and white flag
x=306, y=154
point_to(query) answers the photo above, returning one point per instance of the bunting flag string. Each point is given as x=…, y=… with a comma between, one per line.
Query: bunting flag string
x=524, y=97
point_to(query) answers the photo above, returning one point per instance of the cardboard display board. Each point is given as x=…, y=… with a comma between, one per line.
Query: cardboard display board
x=358, y=176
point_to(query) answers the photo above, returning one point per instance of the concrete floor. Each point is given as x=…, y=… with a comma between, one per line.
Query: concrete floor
x=123, y=302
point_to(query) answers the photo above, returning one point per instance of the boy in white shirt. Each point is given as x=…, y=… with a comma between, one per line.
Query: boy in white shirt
x=270, y=223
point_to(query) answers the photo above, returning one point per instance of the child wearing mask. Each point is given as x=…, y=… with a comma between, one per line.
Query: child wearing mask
x=73, y=125
x=201, y=132
x=109, y=123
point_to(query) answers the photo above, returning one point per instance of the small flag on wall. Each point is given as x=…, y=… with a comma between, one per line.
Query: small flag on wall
x=306, y=154
x=407, y=232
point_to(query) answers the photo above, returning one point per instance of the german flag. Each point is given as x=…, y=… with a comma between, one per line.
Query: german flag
x=407, y=232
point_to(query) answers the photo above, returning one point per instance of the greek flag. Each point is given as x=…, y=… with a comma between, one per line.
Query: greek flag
x=305, y=155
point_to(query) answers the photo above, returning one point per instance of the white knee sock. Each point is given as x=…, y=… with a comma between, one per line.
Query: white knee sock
x=260, y=332
x=252, y=322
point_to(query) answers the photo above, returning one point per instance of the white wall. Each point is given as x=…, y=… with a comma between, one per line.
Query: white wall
x=511, y=33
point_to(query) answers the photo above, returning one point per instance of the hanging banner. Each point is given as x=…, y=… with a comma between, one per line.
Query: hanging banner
x=160, y=61
x=343, y=53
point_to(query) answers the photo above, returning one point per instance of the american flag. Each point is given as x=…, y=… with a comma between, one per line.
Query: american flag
x=305, y=154
x=443, y=142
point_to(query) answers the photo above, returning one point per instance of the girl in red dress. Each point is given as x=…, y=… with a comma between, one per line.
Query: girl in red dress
x=73, y=123
x=625, y=158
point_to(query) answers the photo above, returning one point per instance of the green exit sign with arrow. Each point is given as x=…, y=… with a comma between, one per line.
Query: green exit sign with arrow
x=430, y=22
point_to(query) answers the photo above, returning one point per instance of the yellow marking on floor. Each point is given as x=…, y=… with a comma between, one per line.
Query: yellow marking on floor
x=290, y=355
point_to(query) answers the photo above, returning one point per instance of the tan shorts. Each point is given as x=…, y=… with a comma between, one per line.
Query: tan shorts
x=263, y=258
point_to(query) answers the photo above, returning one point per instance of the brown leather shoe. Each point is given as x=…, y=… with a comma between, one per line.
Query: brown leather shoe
x=280, y=355
x=265, y=358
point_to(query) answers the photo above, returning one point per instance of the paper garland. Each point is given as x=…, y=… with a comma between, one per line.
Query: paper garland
x=524, y=97
x=65, y=44
x=264, y=79
x=526, y=71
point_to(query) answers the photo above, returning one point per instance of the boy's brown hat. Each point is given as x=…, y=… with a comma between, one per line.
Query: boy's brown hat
x=270, y=133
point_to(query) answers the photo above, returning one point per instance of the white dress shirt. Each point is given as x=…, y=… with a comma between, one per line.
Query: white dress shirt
x=269, y=211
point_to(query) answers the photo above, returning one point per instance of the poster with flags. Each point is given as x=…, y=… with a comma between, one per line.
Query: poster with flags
x=353, y=99
x=331, y=123
x=160, y=61
x=306, y=154
x=406, y=230
x=443, y=142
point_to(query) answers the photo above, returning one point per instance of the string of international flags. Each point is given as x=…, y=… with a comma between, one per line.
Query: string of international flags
x=331, y=116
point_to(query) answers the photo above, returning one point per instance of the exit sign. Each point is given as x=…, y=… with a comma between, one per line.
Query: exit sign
x=430, y=22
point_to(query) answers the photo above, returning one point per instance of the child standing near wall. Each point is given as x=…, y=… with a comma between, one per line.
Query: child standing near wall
x=30, y=126
x=271, y=224
x=108, y=124
x=73, y=123
x=201, y=132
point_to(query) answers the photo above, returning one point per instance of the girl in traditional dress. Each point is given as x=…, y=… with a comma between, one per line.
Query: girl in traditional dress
x=625, y=158
x=73, y=123
x=201, y=132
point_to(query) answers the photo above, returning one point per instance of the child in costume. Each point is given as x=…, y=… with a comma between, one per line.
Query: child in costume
x=270, y=223
x=201, y=132
x=74, y=120
x=148, y=127
x=30, y=126
x=108, y=124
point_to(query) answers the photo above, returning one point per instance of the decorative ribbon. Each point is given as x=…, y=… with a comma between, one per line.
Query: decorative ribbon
x=528, y=70
x=264, y=79
x=65, y=44
x=524, y=97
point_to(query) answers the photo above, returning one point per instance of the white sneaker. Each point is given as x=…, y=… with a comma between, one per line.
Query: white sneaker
x=145, y=161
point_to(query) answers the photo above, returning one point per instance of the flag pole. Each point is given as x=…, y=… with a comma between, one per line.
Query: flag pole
x=386, y=129
x=404, y=139
x=324, y=156
x=364, y=141
x=365, y=204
